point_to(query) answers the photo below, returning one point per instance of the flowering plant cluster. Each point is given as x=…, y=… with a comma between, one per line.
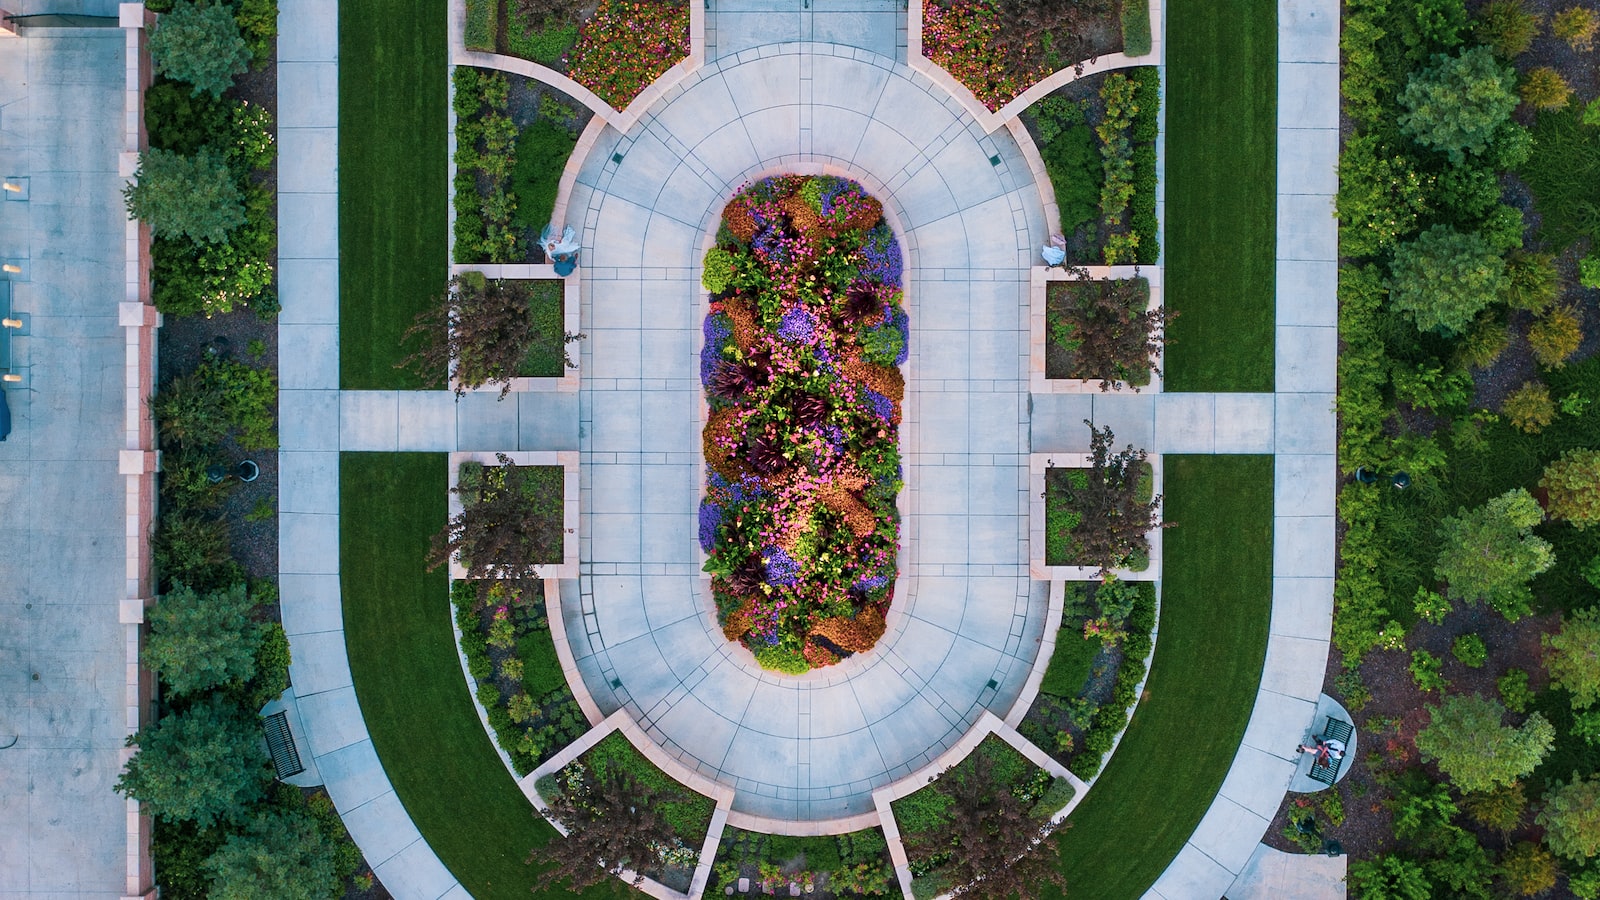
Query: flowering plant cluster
x=626, y=45
x=965, y=40
x=803, y=344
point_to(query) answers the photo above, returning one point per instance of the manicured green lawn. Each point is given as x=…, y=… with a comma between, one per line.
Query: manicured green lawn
x=409, y=682
x=393, y=225
x=1215, y=601
x=1221, y=194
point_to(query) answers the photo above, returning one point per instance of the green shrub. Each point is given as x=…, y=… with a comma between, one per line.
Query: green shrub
x=1482, y=346
x=178, y=850
x=258, y=23
x=1381, y=196
x=483, y=24
x=192, y=549
x=179, y=120
x=1528, y=869
x=1532, y=282
x=1070, y=664
x=545, y=46
x=1573, y=656
x=689, y=813
x=1544, y=88
x=1514, y=692
x=1577, y=26
x=1470, y=649
x=1136, y=27
x=186, y=196
x=781, y=659
x=215, y=278
x=1556, y=336
x=1456, y=105
x=1427, y=671
x=201, y=45
x=1571, y=818
x=1507, y=27
x=1589, y=271
x=1444, y=277
x=1529, y=408
x=1474, y=750
x=272, y=667
x=201, y=641
x=1572, y=484
x=204, y=765
x=1074, y=168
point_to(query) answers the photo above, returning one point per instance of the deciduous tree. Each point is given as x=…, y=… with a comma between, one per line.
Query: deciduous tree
x=479, y=333
x=280, y=854
x=1573, y=656
x=1573, y=485
x=613, y=823
x=1571, y=818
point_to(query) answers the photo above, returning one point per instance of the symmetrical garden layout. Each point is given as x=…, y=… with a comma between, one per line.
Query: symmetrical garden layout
x=975, y=615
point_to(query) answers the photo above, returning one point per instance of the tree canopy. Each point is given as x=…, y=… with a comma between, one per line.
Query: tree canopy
x=201, y=641
x=200, y=44
x=1474, y=750
x=1456, y=105
x=280, y=854
x=205, y=764
x=186, y=196
x=1489, y=554
x=1444, y=278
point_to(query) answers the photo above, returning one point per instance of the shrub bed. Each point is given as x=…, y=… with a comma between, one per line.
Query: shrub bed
x=513, y=138
x=803, y=342
x=1106, y=628
x=1099, y=151
x=615, y=48
x=998, y=52
x=505, y=636
x=832, y=866
x=686, y=812
x=1081, y=505
x=922, y=815
x=1101, y=330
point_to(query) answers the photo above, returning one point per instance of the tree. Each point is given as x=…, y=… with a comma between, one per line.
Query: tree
x=613, y=823
x=1474, y=750
x=1455, y=105
x=510, y=521
x=200, y=44
x=1389, y=877
x=186, y=196
x=997, y=847
x=1114, y=521
x=479, y=332
x=201, y=641
x=205, y=764
x=1443, y=278
x=1489, y=555
x=1572, y=484
x=1571, y=818
x=1109, y=329
x=281, y=853
x=1573, y=656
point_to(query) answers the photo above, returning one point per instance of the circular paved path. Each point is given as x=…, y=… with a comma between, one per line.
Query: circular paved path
x=967, y=620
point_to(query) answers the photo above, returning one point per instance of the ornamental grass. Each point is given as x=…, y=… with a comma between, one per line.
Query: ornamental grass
x=803, y=343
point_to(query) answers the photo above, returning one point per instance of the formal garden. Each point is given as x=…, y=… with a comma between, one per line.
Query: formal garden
x=1464, y=628
x=224, y=825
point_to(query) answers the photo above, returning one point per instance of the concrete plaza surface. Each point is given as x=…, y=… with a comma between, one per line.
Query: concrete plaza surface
x=775, y=96
x=63, y=830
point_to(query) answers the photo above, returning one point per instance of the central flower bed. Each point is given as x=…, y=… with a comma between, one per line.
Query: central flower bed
x=803, y=344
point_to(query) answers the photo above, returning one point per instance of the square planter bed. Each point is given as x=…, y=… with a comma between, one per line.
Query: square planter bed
x=554, y=305
x=1051, y=479
x=1053, y=368
x=565, y=465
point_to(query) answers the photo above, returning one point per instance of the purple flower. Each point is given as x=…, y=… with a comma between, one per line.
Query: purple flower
x=710, y=521
x=797, y=326
x=881, y=256
x=717, y=329
x=869, y=584
x=882, y=406
x=898, y=319
x=782, y=570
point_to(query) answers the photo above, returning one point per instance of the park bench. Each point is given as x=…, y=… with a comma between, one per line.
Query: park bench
x=1334, y=730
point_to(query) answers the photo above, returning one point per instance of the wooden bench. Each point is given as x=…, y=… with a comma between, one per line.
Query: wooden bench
x=1333, y=730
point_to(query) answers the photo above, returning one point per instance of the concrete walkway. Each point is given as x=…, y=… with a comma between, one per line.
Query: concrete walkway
x=1225, y=843
x=967, y=619
x=63, y=831
x=309, y=435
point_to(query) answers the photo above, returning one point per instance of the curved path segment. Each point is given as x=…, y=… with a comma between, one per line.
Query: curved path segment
x=967, y=620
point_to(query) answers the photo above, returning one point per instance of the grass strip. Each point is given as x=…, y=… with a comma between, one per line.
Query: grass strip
x=1216, y=599
x=1221, y=192
x=408, y=679
x=393, y=223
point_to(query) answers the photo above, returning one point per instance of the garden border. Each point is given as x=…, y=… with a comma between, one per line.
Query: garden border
x=571, y=309
x=990, y=120
x=568, y=460
x=1037, y=464
x=1038, y=336
x=623, y=722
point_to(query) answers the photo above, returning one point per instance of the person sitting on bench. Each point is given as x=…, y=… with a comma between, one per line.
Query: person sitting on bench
x=1326, y=751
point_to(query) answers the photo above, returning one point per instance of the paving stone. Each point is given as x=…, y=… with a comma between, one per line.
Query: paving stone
x=1244, y=423
x=308, y=481
x=315, y=87
x=1306, y=228
x=419, y=869
x=309, y=603
x=1302, y=607
x=308, y=420
x=1225, y=830
x=308, y=544
x=1278, y=723
x=1307, y=359
x=321, y=665
x=1305, y=423
x=317, y=219
x=1308, y=31
x=381, y=827
x=1304, y=485
x=1185, y=423
x=369, y=420
x=1308, y=95
x=309, y=292
x=315, y=363
x=486, y=422
x=1308, y=163
x=1192, y=874
x=318, y=150
x=426, y=420
x=1294, y=666
x=1302, y=546
x=1307, y=292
